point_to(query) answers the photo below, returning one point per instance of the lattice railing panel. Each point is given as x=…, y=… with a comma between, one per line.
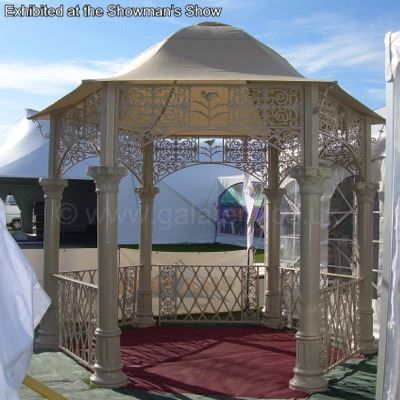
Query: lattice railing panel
x=77, y=318
x=192, y=293
x=127, y=279
x=339, y=323
x=290, y=289
x=77, y=306
x=339, y=313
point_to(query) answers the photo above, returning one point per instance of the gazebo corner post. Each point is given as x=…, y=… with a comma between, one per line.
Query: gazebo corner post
x=144, y=296
x=273, y=198
x=108, y=366
x=365, y=194
x=53, y=187
x=308, y=374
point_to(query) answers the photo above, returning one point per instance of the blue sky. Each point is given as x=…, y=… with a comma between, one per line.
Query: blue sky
x=41, y=59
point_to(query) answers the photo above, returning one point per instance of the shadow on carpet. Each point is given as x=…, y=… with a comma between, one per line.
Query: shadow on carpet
x=219, y=361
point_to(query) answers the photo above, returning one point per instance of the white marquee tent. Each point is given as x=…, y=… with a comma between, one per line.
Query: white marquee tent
x=185, y=208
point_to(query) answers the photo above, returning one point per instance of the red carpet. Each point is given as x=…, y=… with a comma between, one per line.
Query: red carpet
x=229, y=361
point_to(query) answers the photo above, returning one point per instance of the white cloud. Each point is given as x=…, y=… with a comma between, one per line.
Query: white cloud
x=336, y=51
x=328, y=42
x=54, y=78
x=377, y=94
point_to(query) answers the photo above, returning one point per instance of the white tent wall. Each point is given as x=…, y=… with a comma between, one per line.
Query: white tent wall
x=388, y=384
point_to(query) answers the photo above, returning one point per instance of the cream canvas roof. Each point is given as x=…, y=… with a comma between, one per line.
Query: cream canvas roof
x=207, y=53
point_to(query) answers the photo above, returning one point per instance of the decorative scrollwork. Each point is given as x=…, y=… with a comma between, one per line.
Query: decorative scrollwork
x=274, y=112
x=78, y=133
x=175, y=153
x=340, y=134
x=168, y=294
x=130, y=153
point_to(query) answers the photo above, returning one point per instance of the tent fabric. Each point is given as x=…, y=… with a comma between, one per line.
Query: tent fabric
x=388, y=382
x=22, y=304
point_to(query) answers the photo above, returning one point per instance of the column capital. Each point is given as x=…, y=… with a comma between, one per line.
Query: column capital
x=311, y=179
x=274, y=195
x=107, y=178
x=53, y=187
x=366, y=191
x=147, y=193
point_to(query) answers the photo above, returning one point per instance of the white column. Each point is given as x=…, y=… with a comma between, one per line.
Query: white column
x=108, y=367
x=144, y=297
x=365, y=192
x=53, y=189
x=273, y=311
x=308, y=374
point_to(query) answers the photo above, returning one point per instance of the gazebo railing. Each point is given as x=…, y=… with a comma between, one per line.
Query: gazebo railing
x=127, y=282
x=77, y=310
x=339, y=322
x=339, y=313
x=77, y=307
x=208, y=294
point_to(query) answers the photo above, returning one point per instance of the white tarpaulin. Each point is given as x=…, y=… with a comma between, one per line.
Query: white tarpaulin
x=22, y=305
x=388, y=385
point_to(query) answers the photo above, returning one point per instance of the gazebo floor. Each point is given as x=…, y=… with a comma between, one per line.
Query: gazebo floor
x=355, y=379
x=213, y=361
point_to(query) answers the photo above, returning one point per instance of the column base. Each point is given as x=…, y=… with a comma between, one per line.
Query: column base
x=308, y=382
x=144, y=310
x=369, y=346
x=308, y=375
x=273, y=323
x=144, y=321
x=273, y=310
x=46, y=341
x=106, y=378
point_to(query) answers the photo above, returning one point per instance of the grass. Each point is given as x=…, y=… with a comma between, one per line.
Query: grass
x=199, y=248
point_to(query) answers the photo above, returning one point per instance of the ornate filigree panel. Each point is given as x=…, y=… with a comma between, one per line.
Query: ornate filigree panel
x=130, y=153
x=175, y=153
x=78, y=133
x=274, y=112
x=143, y=108
x=340, y=134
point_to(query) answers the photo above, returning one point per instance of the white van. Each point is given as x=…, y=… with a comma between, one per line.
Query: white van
x=13, y=213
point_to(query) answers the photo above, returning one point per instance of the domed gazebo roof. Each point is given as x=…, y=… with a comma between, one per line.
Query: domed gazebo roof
x=209, y=52
x=212, y=53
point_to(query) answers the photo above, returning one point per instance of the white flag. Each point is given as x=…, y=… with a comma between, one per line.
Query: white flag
x=22, y=304
x=249, y=198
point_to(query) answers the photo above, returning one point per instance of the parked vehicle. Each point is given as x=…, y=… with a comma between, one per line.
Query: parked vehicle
x=13, y=213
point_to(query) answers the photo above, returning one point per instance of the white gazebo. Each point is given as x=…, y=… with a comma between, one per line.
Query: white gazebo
x=212, y=94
